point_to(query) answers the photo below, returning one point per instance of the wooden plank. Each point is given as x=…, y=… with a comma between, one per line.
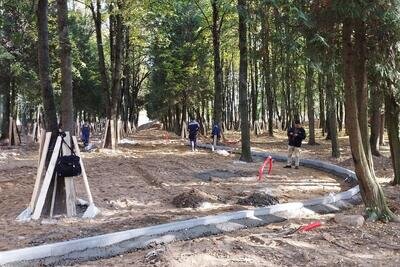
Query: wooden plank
x=42, y=140
x=39, y=132
x=85, y=179
x=10, y=135
x=34, y=132
x=103, y=145
x=118, y=131
x=40, y=171
x=47, y=180
x=112, y=129
x=17, y=140
x=53, y=198
x=70, y=195
x=69, y=181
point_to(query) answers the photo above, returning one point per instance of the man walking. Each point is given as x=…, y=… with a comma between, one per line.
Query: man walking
x=215, y=135
x=193, y=127
x=85, y=134
x=296, y=135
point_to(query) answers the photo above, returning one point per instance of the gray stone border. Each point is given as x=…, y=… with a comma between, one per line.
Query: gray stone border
x=113, y=244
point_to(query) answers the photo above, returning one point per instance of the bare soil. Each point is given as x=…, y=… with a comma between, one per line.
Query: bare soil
x=135, y=187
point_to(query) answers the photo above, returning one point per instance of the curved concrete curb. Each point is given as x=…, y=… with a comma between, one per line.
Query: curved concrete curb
x=112, y=244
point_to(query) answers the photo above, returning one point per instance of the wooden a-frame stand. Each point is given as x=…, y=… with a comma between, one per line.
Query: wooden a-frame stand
x=40, y=192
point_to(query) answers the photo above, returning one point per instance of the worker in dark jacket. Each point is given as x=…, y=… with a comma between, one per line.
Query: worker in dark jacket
x=296, y=135
x=85, y=134
x=193, y=128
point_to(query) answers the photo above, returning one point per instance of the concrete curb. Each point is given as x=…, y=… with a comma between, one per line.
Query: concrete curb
x=112, y=244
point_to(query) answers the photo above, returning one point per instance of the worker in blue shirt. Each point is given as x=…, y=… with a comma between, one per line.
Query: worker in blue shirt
x=193, y=128
x=215, y=134
x=85, y=134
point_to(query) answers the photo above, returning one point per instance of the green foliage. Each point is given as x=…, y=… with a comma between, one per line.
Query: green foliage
x=179, y=59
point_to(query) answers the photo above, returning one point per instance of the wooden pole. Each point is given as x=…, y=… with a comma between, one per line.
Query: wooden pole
x=17, y=140
x=85, y=179
x=40, y=171
x=69, y=181
x=53, y=198
x=10, y=135
x=47, y=179
x=103, y=145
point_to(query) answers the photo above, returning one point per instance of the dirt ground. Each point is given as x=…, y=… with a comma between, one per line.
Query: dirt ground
x=135, y=185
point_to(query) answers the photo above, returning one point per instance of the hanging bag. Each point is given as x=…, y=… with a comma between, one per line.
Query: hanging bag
x=68, y=166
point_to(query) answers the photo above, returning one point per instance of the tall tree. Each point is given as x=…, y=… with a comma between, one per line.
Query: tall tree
x=50, y=115
x=97, y=19
x=266, y=66
x=117, y=58
x=371, y=191
x=216, y=35
x=67, y=114
x=243, y=100
x=392, y=112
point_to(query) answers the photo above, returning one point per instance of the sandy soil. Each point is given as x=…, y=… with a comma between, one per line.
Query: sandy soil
x=374, y=244
x=332, y=244
x=134, y=187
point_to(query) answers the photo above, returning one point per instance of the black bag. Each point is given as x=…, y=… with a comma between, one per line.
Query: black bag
x=68, y=166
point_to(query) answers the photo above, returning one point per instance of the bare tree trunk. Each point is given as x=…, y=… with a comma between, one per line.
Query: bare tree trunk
x=267, y=67
x=116, y=75
x=331, y=97
x=392, y=119
x=5, y=89
x=67, y=113
x=310, y=103
x=371, y=191
x=243, y=103
x=50, y=116
x=96, y=14
x=332, y=122
x=382, y=130
x=216, y=32
x=376, y=105
x=360, y=75
x=321, y=104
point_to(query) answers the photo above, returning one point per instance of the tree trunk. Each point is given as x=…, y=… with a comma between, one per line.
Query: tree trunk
x=243, y=102
x=5, y=90
x=96, y=14
x=360, y=75
x=116, y=75
x=392, y=119
x=382, y=130
x=310, y=103
x=330, y=98
x=332, y=122
x=216, y=31
x=67, y=113
x=267, y=67
x=50, y=116
x=321, y=104
x=371, y=191
x=376, y=105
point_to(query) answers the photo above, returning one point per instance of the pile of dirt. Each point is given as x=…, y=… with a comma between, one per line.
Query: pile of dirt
x=258, y=199
x=191, y=199
x=150, y=125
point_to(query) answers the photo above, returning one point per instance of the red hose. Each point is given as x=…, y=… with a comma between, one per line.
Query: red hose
x=261, y=170
x=271, y=161
x=310, y=226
